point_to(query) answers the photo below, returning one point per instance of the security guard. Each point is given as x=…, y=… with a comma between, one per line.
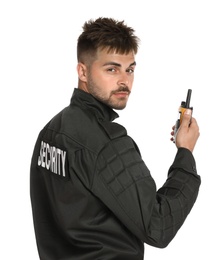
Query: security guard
x=93, y=197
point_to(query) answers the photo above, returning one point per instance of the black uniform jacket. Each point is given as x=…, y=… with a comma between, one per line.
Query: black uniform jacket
x=92, y=195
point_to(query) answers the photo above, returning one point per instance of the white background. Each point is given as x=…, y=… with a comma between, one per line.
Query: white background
x=182, y=46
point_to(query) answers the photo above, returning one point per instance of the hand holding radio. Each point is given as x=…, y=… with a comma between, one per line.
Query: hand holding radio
x=186, y=131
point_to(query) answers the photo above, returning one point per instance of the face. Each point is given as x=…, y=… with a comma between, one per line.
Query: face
x=110, y=77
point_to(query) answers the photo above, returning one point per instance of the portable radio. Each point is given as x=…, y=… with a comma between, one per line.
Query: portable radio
x=184, y=105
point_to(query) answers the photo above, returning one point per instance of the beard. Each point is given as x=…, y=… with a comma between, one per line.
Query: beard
x=109, y=99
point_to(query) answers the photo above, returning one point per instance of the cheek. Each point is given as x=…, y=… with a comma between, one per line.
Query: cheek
x=97, y=76
x=106, y=82
x=131, y=81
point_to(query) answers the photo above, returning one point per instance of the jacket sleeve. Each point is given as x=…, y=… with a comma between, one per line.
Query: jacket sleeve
x=124, y=183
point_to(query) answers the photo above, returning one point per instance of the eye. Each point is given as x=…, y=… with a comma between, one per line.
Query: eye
x=130, y=70
x=111, y=69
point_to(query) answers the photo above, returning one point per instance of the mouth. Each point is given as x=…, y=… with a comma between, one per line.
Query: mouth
x=121, y=94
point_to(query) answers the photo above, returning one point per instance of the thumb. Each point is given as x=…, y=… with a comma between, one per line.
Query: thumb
x=186, y=118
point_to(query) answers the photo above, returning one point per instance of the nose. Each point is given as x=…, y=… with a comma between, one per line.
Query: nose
x=123, y=79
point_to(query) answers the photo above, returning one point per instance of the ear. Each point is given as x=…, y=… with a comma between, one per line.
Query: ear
x=82, y=70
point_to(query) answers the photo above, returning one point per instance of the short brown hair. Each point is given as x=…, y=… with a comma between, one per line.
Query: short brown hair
x=106, y=33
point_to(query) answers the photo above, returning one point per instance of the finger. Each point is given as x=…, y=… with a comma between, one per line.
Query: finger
x=186, y=118
x=194, y=124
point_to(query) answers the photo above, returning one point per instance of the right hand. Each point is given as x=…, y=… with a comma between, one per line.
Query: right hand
x=188, y=132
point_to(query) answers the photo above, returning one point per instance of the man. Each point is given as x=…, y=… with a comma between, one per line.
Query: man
x=93, y=198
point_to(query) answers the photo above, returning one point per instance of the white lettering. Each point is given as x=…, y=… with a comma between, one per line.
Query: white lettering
x=47, y=161
x=52, y=159
x=63, y=155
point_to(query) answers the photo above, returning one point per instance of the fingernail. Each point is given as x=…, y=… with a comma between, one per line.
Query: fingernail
x=188, y=112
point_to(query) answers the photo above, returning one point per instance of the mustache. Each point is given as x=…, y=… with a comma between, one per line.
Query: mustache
x=122, y=89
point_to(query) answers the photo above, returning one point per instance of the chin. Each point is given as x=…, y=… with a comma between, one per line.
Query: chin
x=119, y=107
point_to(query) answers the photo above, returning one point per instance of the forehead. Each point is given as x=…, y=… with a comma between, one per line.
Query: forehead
x=113, y=55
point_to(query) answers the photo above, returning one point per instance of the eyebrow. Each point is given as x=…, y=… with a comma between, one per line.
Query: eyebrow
x=118, y=64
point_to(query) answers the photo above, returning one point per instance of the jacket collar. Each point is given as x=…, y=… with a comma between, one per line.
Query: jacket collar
x=86, y=100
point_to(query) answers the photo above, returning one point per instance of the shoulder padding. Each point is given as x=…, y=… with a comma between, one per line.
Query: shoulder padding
x=113, y=130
